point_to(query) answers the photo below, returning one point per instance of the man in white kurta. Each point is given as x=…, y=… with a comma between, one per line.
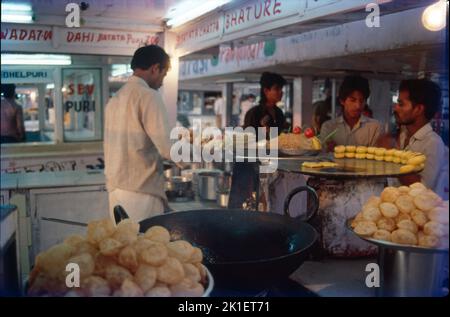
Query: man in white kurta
x=137, y=138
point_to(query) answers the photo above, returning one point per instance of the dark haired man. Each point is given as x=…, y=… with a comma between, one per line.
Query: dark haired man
x=267, y=114
x=12, y=123
x=352, y=128
x=137, y=137
x=418, y=102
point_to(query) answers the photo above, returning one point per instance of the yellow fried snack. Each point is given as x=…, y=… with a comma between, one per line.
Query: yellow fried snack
x=387, y=224
x=417, y=185
x=396, y=160
x=130, y=289
x=388, y=158
x=312, y=164
x=329, y=164
x=404, y=189
x=428, y=241
x=380, y=151
x=110, y=246
x=370, y=156
x=419, y=217
x=170, y=272
x=158, y=234
x=145, y=277
x=390, y=152
x=402, y=216
x=371, y=149
x=339, y=149
x=414, y=192
x=371, y=214
x=365, y=228
x=182, y=250
x=402, y=236
x=389, y=194
x=425, y=202
x=339, y=155
x=405, y=203
x=187, y=288
x=398, y=153
x=419, y=167
x=360, y=156
x=99, y=230
x=408, y=225
x=350, y=148
x=154, y=255
x=361, y=149
x=350, y=154
x=95, y=286
x=389, y=210
x=407, y=169
x=373, y=201
x=433, y=228
x=159, y=291
x=379, y=158
x=381, y=234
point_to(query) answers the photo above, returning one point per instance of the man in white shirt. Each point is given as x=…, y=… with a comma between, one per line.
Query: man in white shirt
x=137, y=138
x=419, y=100
x=246, y=105
x=352, y=128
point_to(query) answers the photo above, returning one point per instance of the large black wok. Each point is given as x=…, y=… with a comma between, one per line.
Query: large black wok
x=243, y=249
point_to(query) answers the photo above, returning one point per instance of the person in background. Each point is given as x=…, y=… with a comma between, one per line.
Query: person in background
x=219, y=110
x=419, y=100
x=267, y=114
x=352, y=127
x=137, y=138
x=12, y=122
x=246, y=104
x=321, y=114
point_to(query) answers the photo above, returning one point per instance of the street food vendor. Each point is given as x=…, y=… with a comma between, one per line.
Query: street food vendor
x=352, y=127
x=418, y=102
x=137, y=138
x=267, y=114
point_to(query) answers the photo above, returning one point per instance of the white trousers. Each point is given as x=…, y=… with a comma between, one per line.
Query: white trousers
x=138, y=206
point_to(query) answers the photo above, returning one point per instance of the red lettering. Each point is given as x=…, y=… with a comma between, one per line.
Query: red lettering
x=78, y=37
x=48, y=35
x=266, y=8
x=275, y=10
x=13, y=35
x=86, y=37
x=70, y=36
x=71, y=90
x=22, y=34
x=32, y=36
x=241, y=16
x=39, y=33
x=233, y=18
x=90, y=89
x=80, y=89
x=4, y=34
x=257, y=16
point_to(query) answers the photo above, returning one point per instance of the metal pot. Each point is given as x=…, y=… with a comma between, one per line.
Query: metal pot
x=178, y=184
x=411, y=274
x=207, y=185
x=171, y=170
x=244, y=250
x=222, y=198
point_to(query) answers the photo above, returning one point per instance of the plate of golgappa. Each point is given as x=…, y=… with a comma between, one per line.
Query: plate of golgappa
x=410, y=218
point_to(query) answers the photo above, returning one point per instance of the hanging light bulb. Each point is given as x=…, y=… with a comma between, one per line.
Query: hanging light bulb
x=434, y=18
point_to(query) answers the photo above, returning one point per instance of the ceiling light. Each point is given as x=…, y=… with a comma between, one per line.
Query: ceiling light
x=434, y=18
x=190, y=10
x=17, y=12
x=35, y=59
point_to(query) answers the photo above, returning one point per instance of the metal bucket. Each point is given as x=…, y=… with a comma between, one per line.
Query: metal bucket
x=207, y=185
x=411, y=274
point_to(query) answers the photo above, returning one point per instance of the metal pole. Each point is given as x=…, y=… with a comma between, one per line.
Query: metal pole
x=333, y=98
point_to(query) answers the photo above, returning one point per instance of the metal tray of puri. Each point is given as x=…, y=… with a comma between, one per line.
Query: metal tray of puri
x=349, y=168
x=395, y=246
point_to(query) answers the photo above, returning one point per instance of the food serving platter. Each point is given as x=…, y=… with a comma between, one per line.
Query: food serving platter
x=395, y=246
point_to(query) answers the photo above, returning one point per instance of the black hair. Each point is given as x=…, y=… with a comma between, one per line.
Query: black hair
x=149, y=55
x=9, y=90
x=268, y=80
x=425, y=92
x=354, y=83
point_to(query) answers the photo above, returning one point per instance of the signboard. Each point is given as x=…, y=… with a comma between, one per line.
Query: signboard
x=26, y=76
x=46, y=39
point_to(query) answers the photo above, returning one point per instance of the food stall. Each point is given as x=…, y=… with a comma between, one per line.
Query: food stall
x=199, y=249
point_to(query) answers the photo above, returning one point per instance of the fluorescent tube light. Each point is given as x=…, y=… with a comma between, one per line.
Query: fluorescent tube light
x=190, y=10
x=35, y=59
x=17, y=13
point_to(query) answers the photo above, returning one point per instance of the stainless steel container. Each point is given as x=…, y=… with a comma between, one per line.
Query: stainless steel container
x=171, y=170
x=222, y=198
x=178, y=184
x=207, y=185
x=408, y=273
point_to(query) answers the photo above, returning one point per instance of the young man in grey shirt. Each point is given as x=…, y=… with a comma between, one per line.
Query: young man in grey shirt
x=352, y=127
